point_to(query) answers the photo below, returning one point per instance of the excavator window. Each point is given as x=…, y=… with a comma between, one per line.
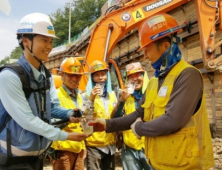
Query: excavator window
x=114, y=80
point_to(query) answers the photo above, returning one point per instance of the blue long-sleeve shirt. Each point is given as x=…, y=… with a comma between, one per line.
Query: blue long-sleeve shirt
x=14, y=101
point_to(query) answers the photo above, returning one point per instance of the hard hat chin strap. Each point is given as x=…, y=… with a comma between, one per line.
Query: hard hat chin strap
x=164, y=62
x=33, y=55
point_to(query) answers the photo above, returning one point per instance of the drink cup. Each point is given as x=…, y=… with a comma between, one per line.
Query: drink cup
x=85, y=125
x=131, y=88
x=102, y=88
x=88, y=107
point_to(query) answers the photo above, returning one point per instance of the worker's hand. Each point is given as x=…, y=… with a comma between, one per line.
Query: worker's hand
x=98, y=124
x=133, y=127
x=95, y=91
x=74, y=136
x=77, y=113
x=124, y=94
x=74, y=119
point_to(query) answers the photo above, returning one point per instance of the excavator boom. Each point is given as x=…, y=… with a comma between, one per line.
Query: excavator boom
x=113, y=26
x=116, y=24
x=128, y=15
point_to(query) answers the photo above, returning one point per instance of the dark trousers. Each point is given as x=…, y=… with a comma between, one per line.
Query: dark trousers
x=98, y=160
x=37, y=165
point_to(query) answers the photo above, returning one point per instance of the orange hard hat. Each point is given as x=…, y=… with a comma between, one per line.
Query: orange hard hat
x=97, y=66
x=72, y=66
x=134, y=68
x=157, y=27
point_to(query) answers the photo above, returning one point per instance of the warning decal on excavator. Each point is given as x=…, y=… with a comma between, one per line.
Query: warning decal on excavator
x=126, y=16
x=156, y=5
x=138, y=15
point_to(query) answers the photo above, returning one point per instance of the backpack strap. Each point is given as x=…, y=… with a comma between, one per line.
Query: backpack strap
x=24, y=78
x=25, y=84
x=23, y=75
x=5, y=123
x=48, y=76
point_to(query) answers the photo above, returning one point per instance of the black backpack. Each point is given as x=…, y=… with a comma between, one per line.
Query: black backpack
x=23, y=75
x=8, y=159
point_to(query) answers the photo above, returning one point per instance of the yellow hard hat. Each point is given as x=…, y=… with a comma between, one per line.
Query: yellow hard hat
x=72, y=66
x=97, y=66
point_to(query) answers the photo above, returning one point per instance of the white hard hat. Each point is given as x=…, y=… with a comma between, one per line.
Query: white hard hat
x=36, y=23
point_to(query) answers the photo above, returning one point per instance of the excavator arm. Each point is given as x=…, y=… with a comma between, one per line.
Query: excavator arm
x=209, y=13
x=113, y=26
x=128, y=15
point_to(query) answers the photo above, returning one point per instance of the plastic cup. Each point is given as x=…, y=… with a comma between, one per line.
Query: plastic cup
x=131, y=88
x=85, y=125
x=87, y=106
x=102, y=88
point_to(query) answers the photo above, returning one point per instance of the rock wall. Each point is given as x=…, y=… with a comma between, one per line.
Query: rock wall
x=217, y=146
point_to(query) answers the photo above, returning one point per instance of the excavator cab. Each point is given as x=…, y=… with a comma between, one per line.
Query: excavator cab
x=116, y=77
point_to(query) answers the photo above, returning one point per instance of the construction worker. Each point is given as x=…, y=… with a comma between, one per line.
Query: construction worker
x=132, y=152
x=172, y=115
x=70, y=155
x=25, y=128
x=100, y=146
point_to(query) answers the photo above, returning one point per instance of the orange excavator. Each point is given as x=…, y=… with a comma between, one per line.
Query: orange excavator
x=128, y=15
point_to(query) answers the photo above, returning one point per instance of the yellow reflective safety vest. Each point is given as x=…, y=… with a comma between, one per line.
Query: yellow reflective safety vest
x=68, y=145
x=101, y=139
x=191, y=147
x=128, y=136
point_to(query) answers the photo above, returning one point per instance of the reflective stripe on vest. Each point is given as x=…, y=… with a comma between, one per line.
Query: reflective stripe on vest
x=19, y=152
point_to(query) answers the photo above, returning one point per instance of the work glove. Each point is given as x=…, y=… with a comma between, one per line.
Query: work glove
x=98, y=124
